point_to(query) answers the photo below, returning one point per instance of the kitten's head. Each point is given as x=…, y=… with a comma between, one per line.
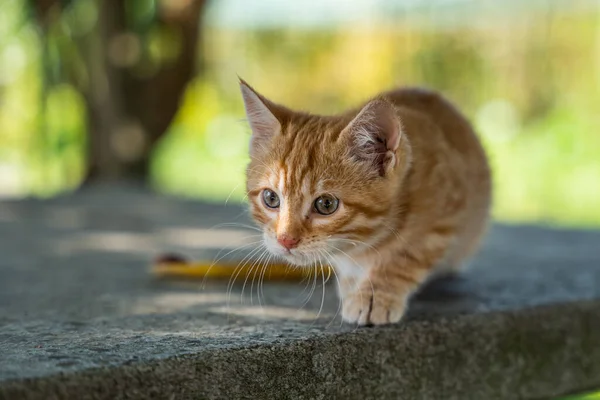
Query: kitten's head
x=322, y=185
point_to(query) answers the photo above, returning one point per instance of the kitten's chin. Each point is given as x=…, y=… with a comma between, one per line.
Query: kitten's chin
x=294, y=257
x=299, y=260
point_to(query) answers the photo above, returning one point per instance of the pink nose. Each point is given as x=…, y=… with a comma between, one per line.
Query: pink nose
x=288, y=242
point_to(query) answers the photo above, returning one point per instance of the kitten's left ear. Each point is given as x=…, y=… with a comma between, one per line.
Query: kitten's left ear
x=374, y=135
x=264, y=116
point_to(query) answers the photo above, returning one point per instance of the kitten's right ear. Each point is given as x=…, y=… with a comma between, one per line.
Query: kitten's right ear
x=261, y=116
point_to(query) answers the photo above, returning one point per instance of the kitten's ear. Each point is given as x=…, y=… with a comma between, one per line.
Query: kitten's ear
x=374, y=135
x=261, y=114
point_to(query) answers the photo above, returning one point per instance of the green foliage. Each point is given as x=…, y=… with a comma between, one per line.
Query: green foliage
x=589, y=396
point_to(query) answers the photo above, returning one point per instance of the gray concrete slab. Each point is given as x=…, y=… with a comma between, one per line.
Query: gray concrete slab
x=80, y=317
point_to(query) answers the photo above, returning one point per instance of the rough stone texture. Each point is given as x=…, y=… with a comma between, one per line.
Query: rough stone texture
x=80, y=317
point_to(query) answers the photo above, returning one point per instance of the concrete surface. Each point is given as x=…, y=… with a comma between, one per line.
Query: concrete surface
x=80, y=317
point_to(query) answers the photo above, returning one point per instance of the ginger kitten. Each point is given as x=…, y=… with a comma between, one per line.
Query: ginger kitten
x=389, y=193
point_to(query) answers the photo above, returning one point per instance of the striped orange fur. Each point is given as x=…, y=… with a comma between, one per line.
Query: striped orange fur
x=389, y=193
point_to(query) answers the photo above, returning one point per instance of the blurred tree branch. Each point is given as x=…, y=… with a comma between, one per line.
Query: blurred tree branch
x=130, y=101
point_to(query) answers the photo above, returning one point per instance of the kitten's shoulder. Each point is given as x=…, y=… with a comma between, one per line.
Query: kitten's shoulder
x=433, y=104
x=414, y=96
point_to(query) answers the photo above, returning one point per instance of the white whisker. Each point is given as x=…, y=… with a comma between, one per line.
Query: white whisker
x=329, y=257
x=254, y=265
x=235, y=224
x=202, y=285
x=238, y=269
x=260, y=284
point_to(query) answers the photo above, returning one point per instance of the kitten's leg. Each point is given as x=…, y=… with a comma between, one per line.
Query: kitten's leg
x=379, y=299
x=382, y=295
x=350, y=272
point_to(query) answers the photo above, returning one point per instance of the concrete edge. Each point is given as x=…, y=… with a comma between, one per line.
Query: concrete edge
x=534, y=353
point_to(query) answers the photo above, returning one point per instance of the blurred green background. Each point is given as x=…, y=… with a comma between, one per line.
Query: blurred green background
x=590, y=396
x=93, y=91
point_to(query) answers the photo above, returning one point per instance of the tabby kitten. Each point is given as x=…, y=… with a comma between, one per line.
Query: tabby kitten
x=388, y=193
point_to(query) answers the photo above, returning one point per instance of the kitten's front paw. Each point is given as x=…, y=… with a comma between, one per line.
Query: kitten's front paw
x=368, y=307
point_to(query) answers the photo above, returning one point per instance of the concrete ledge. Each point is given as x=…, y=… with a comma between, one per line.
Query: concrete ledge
x=80, y=318
x=530, y=354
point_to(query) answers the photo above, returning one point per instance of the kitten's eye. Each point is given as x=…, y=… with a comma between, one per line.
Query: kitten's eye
x=326, y=204
x=270, y=198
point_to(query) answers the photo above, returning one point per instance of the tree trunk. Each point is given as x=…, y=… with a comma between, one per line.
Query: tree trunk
x=128, y=113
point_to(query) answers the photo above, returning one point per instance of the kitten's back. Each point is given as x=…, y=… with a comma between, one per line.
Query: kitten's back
x=444, y=114
x=462, y=139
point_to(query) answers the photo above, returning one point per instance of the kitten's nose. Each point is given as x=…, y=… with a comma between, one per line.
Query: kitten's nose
x=288, y=242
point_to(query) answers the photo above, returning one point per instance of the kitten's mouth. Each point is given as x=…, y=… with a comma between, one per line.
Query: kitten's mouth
x=298, y=256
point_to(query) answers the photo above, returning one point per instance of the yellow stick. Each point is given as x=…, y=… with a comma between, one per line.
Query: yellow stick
x=176, y=267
